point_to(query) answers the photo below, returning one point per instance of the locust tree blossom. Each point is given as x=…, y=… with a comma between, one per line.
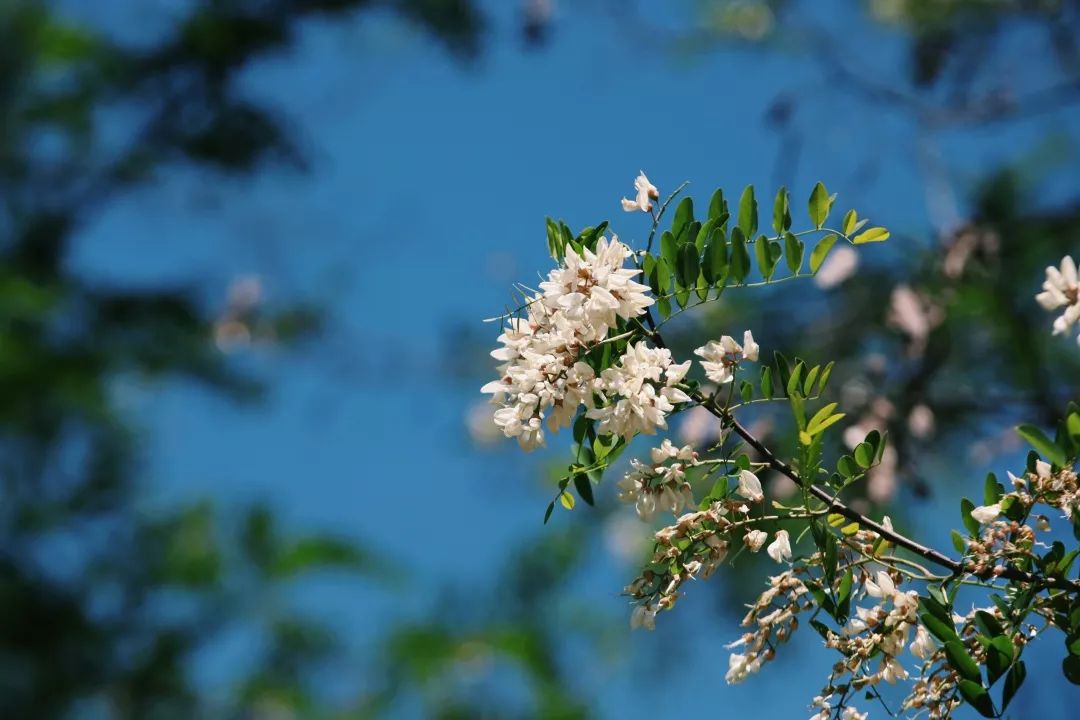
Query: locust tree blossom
x=639, y=392
x=542, y=375
x=646, y=193
x=586, y=350
x=661, y=485
x=780, y=548
x=719, y=359
x=755, y=539
x=750, y=486
x=1061, y=289
x=986, y=514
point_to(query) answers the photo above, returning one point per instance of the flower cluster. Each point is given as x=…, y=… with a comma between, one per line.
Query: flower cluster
x=1005, y=542
x=719, y=359
x=542, y=373
x=882, y=630
x=639, y=392
x=693, y=547
x=660, y=485
x=772, y=619
x=1061, y=289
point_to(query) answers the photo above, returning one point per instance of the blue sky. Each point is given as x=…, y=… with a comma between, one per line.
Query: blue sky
x=428, y=187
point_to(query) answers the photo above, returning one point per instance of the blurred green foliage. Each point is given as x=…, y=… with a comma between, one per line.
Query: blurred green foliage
x=106, y=604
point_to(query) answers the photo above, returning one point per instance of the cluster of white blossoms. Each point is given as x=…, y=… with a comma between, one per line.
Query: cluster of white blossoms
x=660, y=485
x=646, y=193
x=542, y=374
x=1061, y=289
x=639, y=392
x=771, y=621
x=720, y=359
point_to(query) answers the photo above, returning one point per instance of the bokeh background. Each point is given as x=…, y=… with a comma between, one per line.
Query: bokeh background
x=245, y=249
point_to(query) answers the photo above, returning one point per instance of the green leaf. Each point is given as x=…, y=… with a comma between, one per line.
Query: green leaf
x=824, y=380
x=781, y=212
x=819, y=205
x=715, y=264
x=874, y=234
x=739, y=265
x=687, y=269
x=843, y=596
x=1042, y=444
x=850, y=219
x=821, y=251
x=684, y=215
x=669, y=249
x=988, y=624
x=704, y=235
x=958, y=541
x=1013, y=681
x=764, y=258
x=999, y=656
x=663, y=306
x=1070, y=667
x=748, y=212
x=584, y=488
x=793, y=249
x=864, y=454
x=943, y=631
x=547, y=513
x=718, y=205
x=746, y=391
x=766, y=381
x=819, y=418
x=977, y=697
x=1072, y=425
x=963, y=663
x=970, y=523
x=992, y=490
x=793, y=379
x=567, y=500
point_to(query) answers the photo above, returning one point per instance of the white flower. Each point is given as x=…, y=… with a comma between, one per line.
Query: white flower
x=719, y=359
x=1062, y=289
x=985, y=514
x=740, y=666
x=750, y=349
x=780, y=548
x=883, y=588
x=923, y=645
x=755, y=539
x=750, y=486
x=542, y=376
x=1042, y=469
x=642, y=384
x=892, y=670
x=851, y=713
x=646, y=192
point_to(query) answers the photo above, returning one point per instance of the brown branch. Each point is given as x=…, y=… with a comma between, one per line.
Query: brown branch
x=956, y=567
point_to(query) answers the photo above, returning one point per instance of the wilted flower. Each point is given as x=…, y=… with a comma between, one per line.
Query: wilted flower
x=755, y=539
